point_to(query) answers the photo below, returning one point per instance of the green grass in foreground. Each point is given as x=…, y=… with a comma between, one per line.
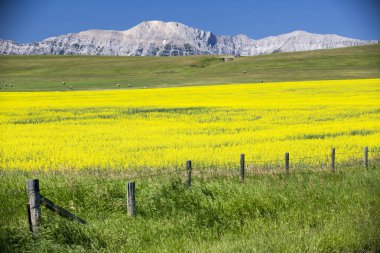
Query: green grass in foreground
x=30, y=73
x=301, y=212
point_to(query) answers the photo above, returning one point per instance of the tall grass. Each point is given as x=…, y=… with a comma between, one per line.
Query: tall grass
x=300, y=212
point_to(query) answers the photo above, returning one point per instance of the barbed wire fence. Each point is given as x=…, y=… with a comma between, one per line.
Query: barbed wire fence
x=108, y=185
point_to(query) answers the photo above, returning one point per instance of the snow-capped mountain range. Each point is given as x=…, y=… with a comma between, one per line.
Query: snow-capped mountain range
x=157, y=38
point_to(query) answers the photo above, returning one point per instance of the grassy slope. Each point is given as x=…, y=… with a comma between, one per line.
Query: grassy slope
x=301, y=212
x=99, y=72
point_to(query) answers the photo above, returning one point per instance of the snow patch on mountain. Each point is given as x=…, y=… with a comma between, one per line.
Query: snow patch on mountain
x=157, y=38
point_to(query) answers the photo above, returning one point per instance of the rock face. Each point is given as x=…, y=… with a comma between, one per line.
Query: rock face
x=157, y=38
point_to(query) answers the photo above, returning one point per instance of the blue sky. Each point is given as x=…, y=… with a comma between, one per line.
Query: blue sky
x=34, y=20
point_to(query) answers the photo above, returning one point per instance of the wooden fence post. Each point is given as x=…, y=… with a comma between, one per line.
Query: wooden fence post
x=333, y=159
x=188, y=175
x=34, y=204
x=366, y=157
x=131, y=199
x=287, y=162
x=242, y=167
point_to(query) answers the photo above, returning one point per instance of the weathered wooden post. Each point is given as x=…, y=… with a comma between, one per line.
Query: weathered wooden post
x=34, y=204
x=188, y=175
x=131, y=199
x=242, y=167
x=287, y=162
x=333, y=159
x=366, y=156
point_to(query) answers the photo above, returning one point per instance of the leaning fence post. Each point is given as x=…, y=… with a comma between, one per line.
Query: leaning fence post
x=34, y=204
x=287, y=162
x=333, y=159
x=242, y=167
x=188, y=175
x=366, y=156
x=131, y=199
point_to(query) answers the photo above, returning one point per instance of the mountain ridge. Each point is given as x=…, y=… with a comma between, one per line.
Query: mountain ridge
x=158, y=38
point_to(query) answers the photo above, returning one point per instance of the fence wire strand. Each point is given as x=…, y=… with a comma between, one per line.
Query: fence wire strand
x=202, y=170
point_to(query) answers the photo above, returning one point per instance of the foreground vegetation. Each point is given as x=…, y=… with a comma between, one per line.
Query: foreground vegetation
x=300, y=212
x=85, y=145
x=31, y=73
x=211, y=125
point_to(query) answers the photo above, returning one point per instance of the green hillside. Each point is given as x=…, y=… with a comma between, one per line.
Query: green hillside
x=28, y=73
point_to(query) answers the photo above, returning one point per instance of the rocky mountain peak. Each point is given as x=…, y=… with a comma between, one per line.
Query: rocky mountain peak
x=158, y=38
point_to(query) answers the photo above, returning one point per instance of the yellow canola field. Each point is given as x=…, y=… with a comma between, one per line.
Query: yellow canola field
x=164, y=127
